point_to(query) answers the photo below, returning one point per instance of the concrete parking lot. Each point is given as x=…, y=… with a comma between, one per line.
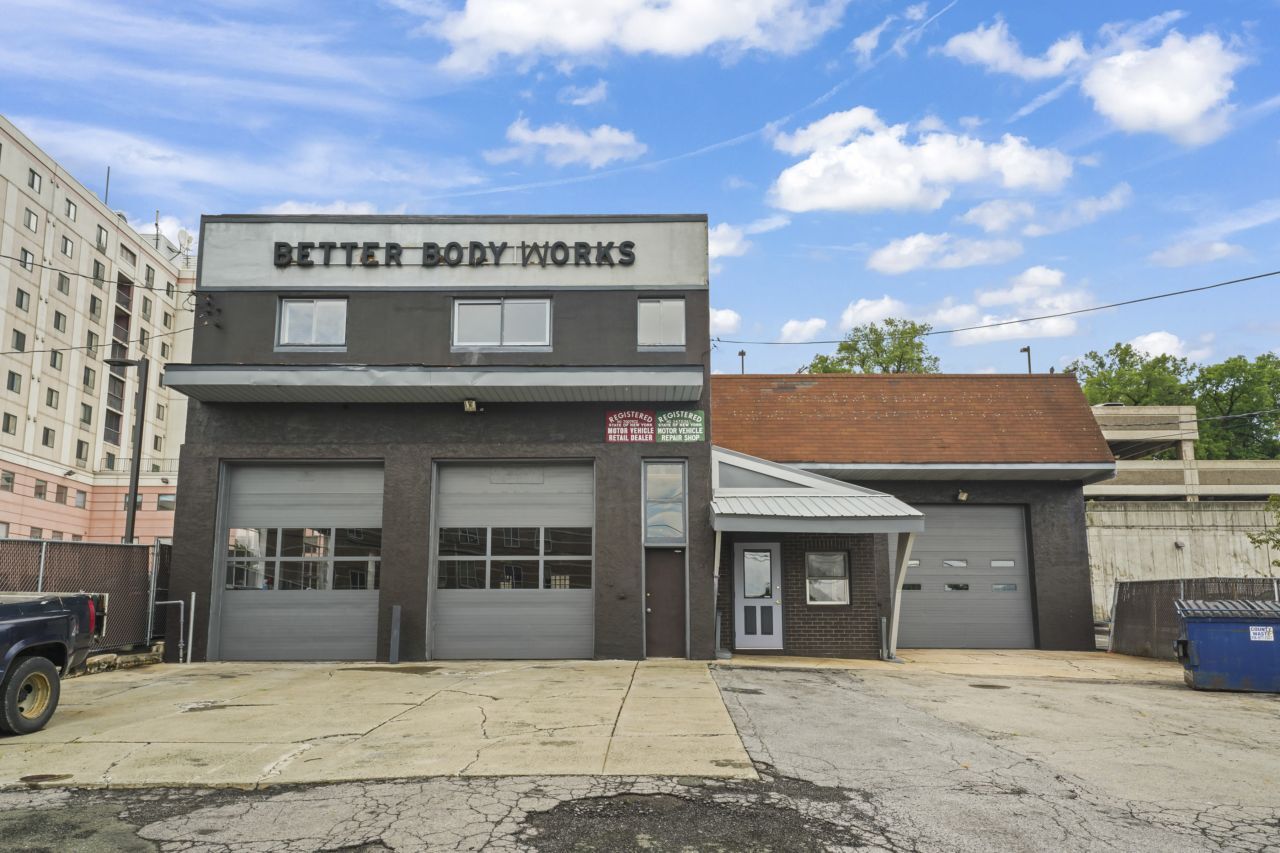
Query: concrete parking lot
x=953, y=751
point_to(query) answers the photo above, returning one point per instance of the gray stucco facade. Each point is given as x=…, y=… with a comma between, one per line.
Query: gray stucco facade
x=394, y=321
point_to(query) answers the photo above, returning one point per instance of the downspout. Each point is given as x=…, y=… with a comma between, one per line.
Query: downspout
x=903, y=557
x=715, y=599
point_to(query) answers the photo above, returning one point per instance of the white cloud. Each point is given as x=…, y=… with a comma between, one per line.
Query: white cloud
x=865, y=311
x=802, y=331
x=354, y=208
x=1167, y=343
x=1034, y=292
x=171, y=228
x=1082, y=212
x=564, y=145
x=1179, y=88
x=865, y=44
x=1187, y=254
x=1028, y=285
x=940, y=251
x=736, y=182
x=996, y=50
x=916, y=11
x=725, y=321
x=483, y=31
x=584, y=96
x=999, y=214
x=730, y=241
x=854, y=161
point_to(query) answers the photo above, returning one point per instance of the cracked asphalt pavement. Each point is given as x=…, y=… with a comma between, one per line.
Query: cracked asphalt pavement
x=847, y=760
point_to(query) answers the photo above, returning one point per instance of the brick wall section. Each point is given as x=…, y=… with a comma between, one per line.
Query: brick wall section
x=839, y=631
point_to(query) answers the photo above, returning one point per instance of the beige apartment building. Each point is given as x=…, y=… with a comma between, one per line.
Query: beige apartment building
x=79, y=285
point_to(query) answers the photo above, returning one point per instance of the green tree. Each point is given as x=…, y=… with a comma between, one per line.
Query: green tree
x=1224, y=391
x=1124, y=375
x=1270, y=538
x=894, y=346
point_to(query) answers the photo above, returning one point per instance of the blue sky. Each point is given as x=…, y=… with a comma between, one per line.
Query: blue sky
x=956, y=163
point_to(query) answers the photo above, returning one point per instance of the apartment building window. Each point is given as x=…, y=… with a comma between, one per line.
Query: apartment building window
x=19, y=341
x=23, y=300
x=68, y=246
x=124, y=501
x=60, y=494
x=30, y=220
x=660, y=323
x=99, y=273
x=59, y=321
x=41, y=490
x=146, y=305
x=110, y=461
x=91, y=340
x=71, y=209
x=166, y=503
x=57, y=534
x=115, y=393
x=143, y=339
x=111, y=432
x=51, y=398
x=90, y=378
x=6, y=481
x=157, y=443
x=27, y=260
x=168, y=289
x=166, y=320
x=36, y=533
x=82, y=456
x=34, y=180
x=129, y=256
x=502, y=323
x=14, y=382
x=82, y=497
x=160, y=411
x=49, y=438
x=4, y=530
x=64, y=283
x=10, y=424
x=149, y=277
x=95, y=307
x=312, y=323
x=86, y=414
x=165, y=349
x=55, y=359
x=76, y=537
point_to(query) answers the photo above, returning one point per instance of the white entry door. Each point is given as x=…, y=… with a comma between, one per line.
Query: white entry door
x=757, y=594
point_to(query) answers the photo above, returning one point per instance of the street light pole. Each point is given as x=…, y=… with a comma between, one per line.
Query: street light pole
x=742, y=357
x=139, y=416
x=1027, y=350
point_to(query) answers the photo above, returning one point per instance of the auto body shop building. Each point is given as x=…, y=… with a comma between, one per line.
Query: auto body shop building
x=490, y=437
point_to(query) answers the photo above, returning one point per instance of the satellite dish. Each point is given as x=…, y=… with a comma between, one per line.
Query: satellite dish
x=184, y=236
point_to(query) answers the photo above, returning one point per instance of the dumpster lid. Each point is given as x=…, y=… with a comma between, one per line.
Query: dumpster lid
x=1252, y=609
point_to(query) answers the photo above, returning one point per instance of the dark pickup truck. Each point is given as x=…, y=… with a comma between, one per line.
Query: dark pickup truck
x=43, y=636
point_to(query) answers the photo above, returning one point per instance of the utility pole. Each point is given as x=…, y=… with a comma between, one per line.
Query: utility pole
x=1027, y=350
x=139, y=415
x=742, y=356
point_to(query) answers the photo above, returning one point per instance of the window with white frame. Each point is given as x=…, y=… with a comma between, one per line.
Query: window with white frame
x=64, y=283
x=22, y=300
x=101, y=242
x=34, y=180
x=55, y=359
x=660, y=323
x=129, y=256
x=502, y=323
x=303, y=558
x=27, y=260
x=19, y=341
x=312, y=323
x=68, y=246
x=514, y=558
x=59, y=321
x=664, y=503
x=30, y=220
x=826, y=577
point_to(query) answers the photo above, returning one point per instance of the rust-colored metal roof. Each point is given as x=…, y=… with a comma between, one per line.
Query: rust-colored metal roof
x=906, y=418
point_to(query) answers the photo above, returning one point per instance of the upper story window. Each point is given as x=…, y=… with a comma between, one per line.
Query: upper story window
x=660, y=323
x=31, y=220
x=502, y=323
x=68, y=246
x=27, y=260
x=312, y=323
x=99, y=273
x=102, y=238
x=34, y=180
x=71, y=209
x=64, y=283
x=129, y=256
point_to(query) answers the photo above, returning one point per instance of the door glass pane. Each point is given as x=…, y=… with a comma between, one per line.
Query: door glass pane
x=525, y=323
x=461, y=574
x=478, y=324
x=567, y=541
x=664, y=521
x=462, y=542
x=513, y=574
x=749, y=619
x=663, y=481
x=304, y=574
x=757, y=574
x=567, y=574
x=515, y=541
x=766, y=621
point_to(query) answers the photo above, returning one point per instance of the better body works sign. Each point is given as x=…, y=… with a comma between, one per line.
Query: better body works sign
x=645, y=425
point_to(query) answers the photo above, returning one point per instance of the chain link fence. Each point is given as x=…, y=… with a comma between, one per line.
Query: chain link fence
x=121, y=571
x=1144, y=622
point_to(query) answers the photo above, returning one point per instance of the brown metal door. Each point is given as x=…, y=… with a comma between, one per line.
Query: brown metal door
x=664, y=602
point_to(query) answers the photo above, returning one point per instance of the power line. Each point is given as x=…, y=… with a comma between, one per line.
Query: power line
x=95, y=346
x=1181, y=421
x=153, y=288
x=1138, y=453
x=1031, y=319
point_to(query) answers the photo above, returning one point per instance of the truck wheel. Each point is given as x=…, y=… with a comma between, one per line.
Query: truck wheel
x=29, y=696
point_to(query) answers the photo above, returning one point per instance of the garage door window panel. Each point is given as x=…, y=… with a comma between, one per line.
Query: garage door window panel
x=513, y=574
x=462, y=574
x=464, y=541
x=516, y=541
x=567, y=541
x=827, y=577
x=514, y=558
x=295, y=559
x=567, y=574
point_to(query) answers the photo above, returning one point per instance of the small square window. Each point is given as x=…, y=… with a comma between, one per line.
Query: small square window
x=91, y=340
x=30, y=220
x=59, y=321
x=23, y=300
x=6, y=481
x=34, y=180
x=60, y=494
x=157, y=443
x=41, y=490
x=101, y=243
x=312, y=323
x=36, y=533
x=27, y=260
x=48, y=438
x=146, y=303
x=169, y=289
x=14, y=382
x=124, y=501
x=86, y=414
x=99, y=273
x=95, y=307
x=826, y=577
x=165, y=350
x=82, y=498
x=82, y=455
x=166, y=320
x=51, y=398
x=19, y=341
x=160, y=411
x=90, y=378
x=55, y=359
x=911, y=587
x=10, y=424
x=129, y=256
x=660, y=323
x=71, y=210
x=64, y=283
x=68, y=246
x=166, y=503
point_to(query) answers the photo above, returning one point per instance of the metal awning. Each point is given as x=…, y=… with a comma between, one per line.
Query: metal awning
x=755, y=495
x=422, y=384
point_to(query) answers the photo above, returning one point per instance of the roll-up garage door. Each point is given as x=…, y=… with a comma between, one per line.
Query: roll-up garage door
x=302, y=560
x=968, y=586
x=514, y=570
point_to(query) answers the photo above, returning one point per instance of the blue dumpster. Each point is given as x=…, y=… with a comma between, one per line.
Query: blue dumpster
x=1230, y=645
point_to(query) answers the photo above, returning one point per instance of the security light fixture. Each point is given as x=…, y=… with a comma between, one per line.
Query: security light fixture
x=962, y=496
x=469, y=406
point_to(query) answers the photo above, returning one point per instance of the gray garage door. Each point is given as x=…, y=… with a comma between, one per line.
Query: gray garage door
x=303, y=550
x=968, y=585
x=514, y=562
